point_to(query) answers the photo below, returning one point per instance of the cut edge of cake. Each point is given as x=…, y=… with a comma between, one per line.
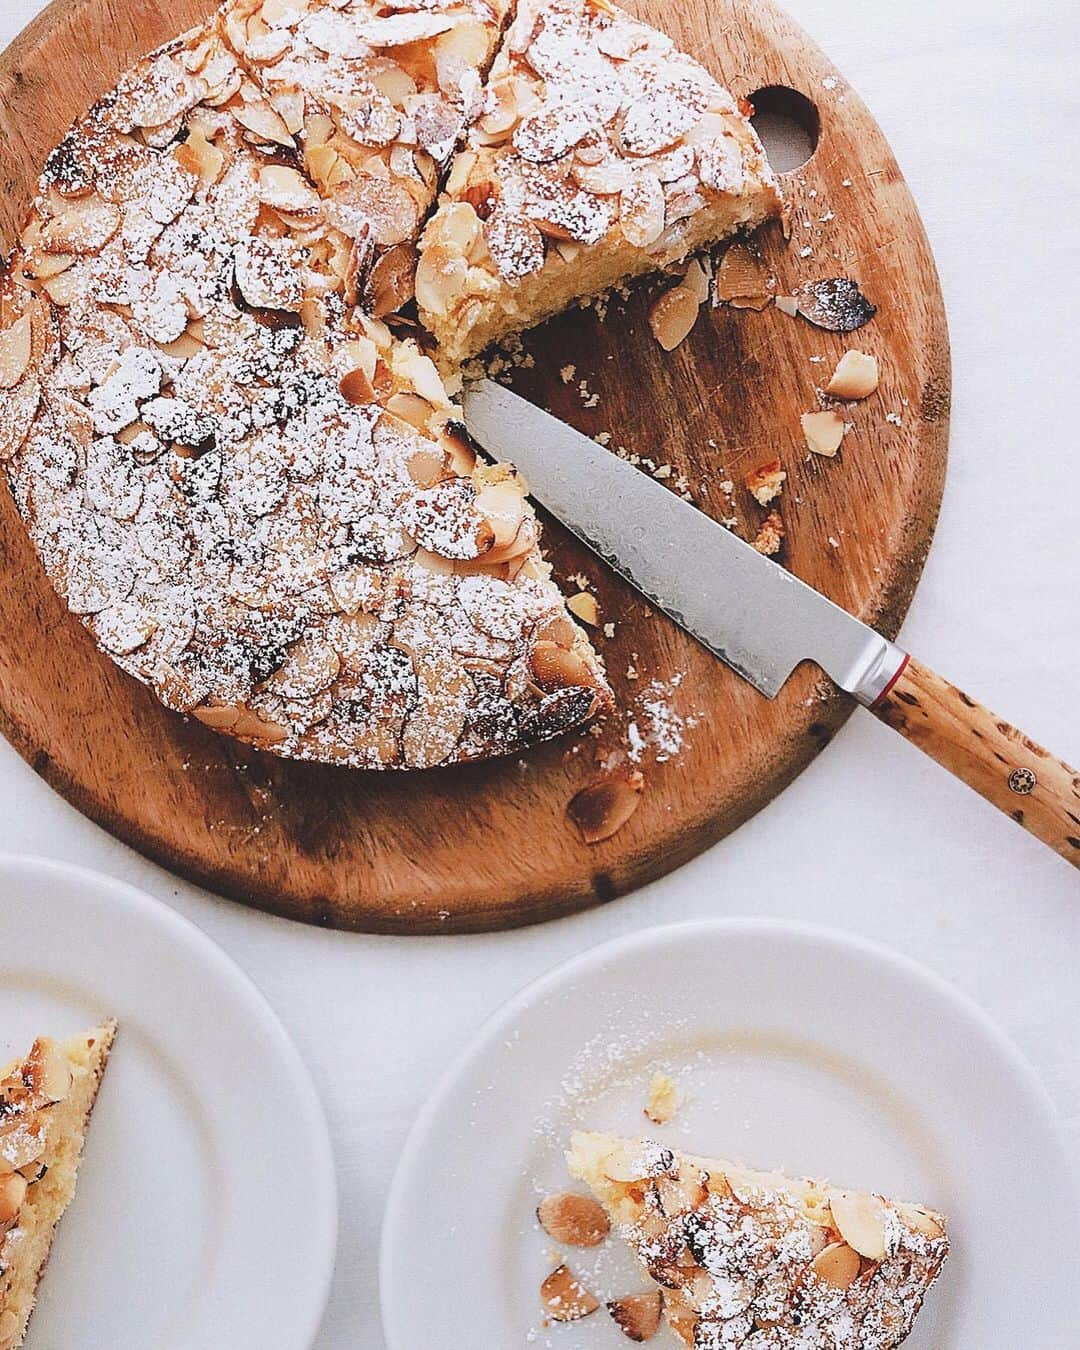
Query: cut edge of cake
x=46, y=1101
x=602, y=153
x=745, y=1258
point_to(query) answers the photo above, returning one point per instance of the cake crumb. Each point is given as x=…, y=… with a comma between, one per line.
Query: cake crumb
x=663, y=1101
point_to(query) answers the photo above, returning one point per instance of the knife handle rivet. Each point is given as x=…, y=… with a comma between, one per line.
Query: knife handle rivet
x=1023, y=781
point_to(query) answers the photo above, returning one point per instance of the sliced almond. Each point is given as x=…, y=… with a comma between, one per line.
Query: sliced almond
x=835, y=304
x=12, y=1195
x=391, y=282
x=856, y=376
x=602, y=809
x=262, y=121
x=584, y=605
x=555, y=667
x=860, y=1219
x=440, y=278
x=838, y=1265
x=565, y=1298
x=253, y=726
x=285, y=189
x=642, y=210
x=922, y=1220
x=766, y=482
x=742, y=276
x=823, y=431
x=384, y=208
x=446, y=520
x=84, y=228
x=573, y=1220
x=199, y=156
x=638, y=1315
x=356, y=388
x=15, y=345
x=673, y=315
x=47, y=1072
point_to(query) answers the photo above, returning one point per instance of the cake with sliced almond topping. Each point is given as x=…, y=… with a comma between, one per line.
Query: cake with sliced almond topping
x=45, y=1105
x=251, y=492
x=602, y=152
x=761, y=1260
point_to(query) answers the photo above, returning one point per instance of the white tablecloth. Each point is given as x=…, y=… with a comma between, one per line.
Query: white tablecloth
x=982, y=106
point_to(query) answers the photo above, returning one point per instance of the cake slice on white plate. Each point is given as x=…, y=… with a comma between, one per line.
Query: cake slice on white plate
x=45, y=1105
x=762, y=1261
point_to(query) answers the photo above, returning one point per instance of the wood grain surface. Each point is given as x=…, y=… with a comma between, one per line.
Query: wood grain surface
x=490, y=846
x=1004, y=766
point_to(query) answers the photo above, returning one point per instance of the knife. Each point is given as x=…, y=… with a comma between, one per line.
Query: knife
x=761, y=620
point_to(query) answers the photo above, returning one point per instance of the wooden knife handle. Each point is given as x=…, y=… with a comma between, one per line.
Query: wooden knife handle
x=1000, y=763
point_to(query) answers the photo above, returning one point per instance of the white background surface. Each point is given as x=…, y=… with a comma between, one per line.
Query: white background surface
x=982, y=106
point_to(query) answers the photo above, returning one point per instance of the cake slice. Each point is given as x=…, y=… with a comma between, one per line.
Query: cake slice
x=375, y=96
x=45, y=1105
x=602, y=152
x=760, y=1260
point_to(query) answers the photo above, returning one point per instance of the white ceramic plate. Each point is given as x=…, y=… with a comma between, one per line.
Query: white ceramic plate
x=794, y=1047
x=206, y=1210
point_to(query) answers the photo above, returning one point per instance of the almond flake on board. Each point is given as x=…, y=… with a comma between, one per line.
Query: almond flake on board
x=603, y=808
x=856, y=376
x=823, y=431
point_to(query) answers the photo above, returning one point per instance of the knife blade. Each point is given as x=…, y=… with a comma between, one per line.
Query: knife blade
x=742, y=606
x=762, y=621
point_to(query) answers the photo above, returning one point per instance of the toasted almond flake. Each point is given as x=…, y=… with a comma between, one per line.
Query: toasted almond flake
x=856, y=376
x=603, y=808
x=585, y=606
x=766, y=482
x=377, y=205
x=673, y=315
x=642, y=207
x=84, y=228
x=770, y=536
x=199, y=156
x=742, y=276
x=262, y=121
x=555, y=667
x=860, y=1219
x=835, y=304
x=663, y=1099
x=787, y=304
x=15, y=343
x=573, y=1220
x=922, y=1220
x=565, y=1298
x=285, y=189
x=838, y=1265
x=356, y=387
x=823, y=431
x=638, y=1315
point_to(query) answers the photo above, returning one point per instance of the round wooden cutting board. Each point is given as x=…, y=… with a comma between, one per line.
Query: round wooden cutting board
x=490, y=846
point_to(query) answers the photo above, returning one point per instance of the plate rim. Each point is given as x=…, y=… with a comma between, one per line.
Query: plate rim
x=496, y=1023
x=311, y=1113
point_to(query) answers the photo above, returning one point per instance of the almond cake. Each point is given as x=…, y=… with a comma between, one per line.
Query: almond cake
x=45, y=1106
x=602, y=152
x=761, y=1261
x=251, y=489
